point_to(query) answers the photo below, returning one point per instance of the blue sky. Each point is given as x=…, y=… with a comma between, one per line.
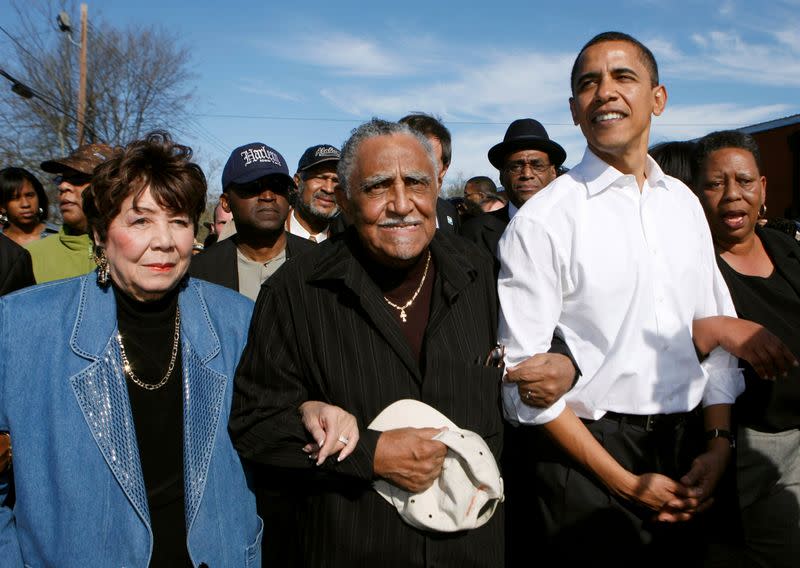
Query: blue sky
x=294, y=74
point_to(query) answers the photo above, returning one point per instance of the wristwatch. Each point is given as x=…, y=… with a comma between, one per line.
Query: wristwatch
x=718, y=433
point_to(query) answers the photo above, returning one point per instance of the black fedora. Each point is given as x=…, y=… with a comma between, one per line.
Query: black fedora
x=526, y=134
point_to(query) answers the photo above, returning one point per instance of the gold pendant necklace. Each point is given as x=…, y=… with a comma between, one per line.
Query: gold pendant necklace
x=402, y=308
x=128, y=369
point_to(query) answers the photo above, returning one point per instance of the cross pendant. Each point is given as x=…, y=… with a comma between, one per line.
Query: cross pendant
x=403, y=315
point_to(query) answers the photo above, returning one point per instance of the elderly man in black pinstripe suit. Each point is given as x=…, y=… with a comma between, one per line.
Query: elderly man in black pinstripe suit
x=391, y=309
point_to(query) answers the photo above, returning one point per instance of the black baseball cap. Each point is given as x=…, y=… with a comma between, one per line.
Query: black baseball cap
x=251, y=162
x=317, y=155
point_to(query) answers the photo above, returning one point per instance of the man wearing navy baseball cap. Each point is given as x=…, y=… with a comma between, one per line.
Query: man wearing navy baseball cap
x=314, y=202
x=255, y=189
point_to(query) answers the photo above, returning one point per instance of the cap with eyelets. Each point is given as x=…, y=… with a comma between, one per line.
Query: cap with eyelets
x=469, y=487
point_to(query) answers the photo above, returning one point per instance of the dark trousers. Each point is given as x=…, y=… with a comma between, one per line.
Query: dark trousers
x=555, y=509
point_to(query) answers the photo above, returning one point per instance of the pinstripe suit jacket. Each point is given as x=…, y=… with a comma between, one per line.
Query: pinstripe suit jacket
x=322, y=331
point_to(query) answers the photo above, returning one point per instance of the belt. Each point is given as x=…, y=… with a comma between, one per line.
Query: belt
x=650, y=422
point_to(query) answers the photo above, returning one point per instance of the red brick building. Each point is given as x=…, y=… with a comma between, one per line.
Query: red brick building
x=779, y=142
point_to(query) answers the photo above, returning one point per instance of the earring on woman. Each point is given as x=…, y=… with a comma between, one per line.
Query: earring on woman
x=40, y=212
x=762, y=211
x=99, y=257
x=3, y=218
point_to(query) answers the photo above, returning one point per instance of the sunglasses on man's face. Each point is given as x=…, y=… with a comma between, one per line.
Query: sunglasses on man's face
x=73, y=179
x=259, y=186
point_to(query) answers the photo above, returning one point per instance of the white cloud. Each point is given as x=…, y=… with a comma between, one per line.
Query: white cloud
x=726, y=55
x=344, y=54
x=727, y=8
x=683, y=122
x=499, y=87
x=254, y=87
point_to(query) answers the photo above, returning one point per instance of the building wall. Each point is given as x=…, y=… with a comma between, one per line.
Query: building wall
x=779, y=169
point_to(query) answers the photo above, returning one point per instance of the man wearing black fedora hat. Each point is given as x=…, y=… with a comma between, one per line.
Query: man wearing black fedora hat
x=527, y=160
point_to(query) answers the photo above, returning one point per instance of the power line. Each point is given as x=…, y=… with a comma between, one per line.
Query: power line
x=459, y=122
x=36, y=94
x=19, y=45
x=192, y=126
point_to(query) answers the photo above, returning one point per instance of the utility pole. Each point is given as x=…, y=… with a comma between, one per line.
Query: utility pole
x=82, y=84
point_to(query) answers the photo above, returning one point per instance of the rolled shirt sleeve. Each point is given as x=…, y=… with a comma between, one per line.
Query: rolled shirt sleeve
x=530, y=290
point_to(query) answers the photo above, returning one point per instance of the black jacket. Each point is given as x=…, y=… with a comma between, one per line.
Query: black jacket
x=218, y=264
x=769, y=406
x=486, y=229
x=321, y=330
x=16, y=270
x=447, y=216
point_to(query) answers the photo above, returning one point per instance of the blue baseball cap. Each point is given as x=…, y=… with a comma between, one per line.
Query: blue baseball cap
x=251, y=162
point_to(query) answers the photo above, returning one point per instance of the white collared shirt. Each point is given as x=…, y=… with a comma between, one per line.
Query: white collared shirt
x=293, y=226
x=622, y=274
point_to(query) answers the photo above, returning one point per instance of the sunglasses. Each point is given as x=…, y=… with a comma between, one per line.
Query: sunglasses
x=72, y=179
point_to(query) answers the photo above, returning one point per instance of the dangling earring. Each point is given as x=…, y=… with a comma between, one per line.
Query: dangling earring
x=762, y=211
x=40, y=212
x=100, y=259
x=3, y=218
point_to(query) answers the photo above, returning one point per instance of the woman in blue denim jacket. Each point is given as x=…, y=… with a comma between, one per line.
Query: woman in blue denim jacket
x=117, y=399
x=117, y=393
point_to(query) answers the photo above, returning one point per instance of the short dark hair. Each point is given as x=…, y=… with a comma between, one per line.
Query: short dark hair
x=675, y=159
x=485, y=184
x=721, y=140
x=11, y=181
x=646, y=56
x=156, y=163
x=432, y=126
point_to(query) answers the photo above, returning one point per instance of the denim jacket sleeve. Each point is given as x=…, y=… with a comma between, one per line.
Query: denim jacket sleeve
x=9, y=543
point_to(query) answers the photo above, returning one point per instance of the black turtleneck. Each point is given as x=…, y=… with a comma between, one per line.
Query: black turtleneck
x=147, y=330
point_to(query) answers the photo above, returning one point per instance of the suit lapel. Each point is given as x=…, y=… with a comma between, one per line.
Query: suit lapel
x=454, y=272
x=203, y=396
x=340, y=265
x=102, y=394
x=233, y=264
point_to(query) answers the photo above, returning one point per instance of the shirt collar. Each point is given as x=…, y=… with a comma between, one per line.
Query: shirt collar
x=300, y=230
x=512, y=210
x=599, y=175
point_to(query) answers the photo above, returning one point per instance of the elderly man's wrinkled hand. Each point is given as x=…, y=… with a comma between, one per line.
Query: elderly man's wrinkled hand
x=542, y=379
x=409, y=458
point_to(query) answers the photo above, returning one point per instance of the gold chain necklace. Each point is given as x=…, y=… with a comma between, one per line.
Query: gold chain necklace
x=402, y=308
x=126, y=365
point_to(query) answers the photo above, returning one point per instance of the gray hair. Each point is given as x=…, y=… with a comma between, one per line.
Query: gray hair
x=372, y=129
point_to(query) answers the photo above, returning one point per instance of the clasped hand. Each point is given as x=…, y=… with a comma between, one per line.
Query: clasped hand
x=675, y=501
x=409, y=458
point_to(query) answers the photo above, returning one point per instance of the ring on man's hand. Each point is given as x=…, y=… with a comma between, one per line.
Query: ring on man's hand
x=344, y=440
x=528, y=395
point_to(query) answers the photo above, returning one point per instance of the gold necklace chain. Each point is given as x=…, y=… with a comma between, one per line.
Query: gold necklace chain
x=126, y=365
x=402, y=308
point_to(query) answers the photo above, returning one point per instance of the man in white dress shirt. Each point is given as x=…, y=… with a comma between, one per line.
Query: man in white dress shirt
x=619, y=257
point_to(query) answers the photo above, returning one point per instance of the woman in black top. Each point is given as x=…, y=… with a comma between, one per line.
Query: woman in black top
x=762, y=270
